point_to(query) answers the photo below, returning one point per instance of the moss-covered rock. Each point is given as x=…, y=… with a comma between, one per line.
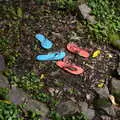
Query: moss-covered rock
x=115, y=84
x=103, y=102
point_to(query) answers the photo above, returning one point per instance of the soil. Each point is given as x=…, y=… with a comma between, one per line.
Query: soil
x=61, y=27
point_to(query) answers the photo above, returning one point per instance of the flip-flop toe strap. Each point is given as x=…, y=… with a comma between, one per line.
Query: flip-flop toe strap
x=69, y=66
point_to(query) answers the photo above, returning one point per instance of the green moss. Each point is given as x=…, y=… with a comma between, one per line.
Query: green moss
x=77, y=116
x=108, y=19
x=4, y=93
x=103, y=102
x=9, y=112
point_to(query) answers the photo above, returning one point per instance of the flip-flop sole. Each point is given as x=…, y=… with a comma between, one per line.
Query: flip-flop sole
x=51, y=56
x=45, y=43
x=72, y=47
x=73, y=69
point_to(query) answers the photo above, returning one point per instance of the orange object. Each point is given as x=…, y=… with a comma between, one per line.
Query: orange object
x=69, y=67
x=72, y=47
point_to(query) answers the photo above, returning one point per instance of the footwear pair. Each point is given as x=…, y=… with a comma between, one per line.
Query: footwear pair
x=47, y=44
x=71, y=67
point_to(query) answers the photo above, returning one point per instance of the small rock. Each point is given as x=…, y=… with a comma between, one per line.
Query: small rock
x=3, y=81
x=2, y=63
x=115, y=85
x=116, y=43
x=118, y=69
x=90, y=114
x=109, y=111
x=102, y=102
x=85, y=11
x=102, y=92
x=38, y=107
x=17, y=95
x=115, y=89
x=104, y=107
x=91, y=19
x=67, y=108
x=83, y=107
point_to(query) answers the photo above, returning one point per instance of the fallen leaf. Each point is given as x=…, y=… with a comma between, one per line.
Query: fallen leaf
x=42, y=76
x=112, y=98
x=109, y=55
x=96, y=53
x=102, y=81
x=5, y=101
x=100, y=85
x=19, y=12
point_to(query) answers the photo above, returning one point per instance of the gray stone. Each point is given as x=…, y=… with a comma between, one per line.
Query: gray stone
x=3, y=81
x=83, y=107
x=67, y=108
x=85, y=11
x=109, y=110
x=102, y=102
x=91, y=19
x=116, y=43
x=115, y=89
x=17, y=95
x=115, y=85
x=90, y=114
x=38, y=107
x=102, y=92
x=118, y=69
x=2, y=63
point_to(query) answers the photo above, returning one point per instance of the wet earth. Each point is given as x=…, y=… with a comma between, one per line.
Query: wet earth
x=60, y=27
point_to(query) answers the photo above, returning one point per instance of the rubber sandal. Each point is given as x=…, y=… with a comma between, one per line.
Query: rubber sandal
x=51, y=56
x=72, y=47
x=71, y=68
x=45, y=43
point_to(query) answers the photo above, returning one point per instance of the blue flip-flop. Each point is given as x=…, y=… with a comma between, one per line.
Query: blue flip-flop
x=45, y=43
x=51, y=56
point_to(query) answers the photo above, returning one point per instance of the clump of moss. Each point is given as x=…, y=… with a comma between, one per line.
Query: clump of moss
x=4, y=93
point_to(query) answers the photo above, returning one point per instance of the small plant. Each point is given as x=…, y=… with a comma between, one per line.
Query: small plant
x=67, y=4
x=3, y=93
x=31, y=82
x=108, y=19
x=33, y=116
x=41, y=96
x=9, y=112
x=3, y=45
x=79, y=116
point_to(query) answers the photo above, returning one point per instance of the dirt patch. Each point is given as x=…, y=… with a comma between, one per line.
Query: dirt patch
x=61, y=28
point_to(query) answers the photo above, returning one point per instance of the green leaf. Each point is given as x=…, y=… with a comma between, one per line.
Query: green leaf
x=19, y=12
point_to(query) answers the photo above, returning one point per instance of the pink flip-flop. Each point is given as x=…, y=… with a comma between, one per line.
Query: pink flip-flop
x=69, y=67
x=72, y=47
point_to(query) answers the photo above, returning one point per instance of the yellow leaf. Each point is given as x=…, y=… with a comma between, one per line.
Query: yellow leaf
x=102, y=81
x=42, y=76
x=100, y=85
x=19, y=12
x=96, y=53
x=112, y=98
x=5, y=101
x=110, y=56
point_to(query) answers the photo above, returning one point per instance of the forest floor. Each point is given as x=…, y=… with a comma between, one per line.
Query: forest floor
x=61, y=28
